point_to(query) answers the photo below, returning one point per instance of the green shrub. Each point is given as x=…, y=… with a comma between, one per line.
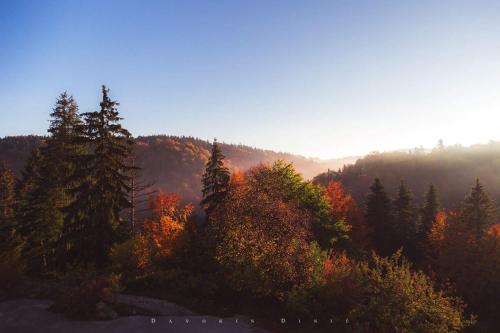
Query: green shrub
x=384, y=295
x=397, y=299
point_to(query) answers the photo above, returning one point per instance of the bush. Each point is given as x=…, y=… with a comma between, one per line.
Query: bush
x=11, y=271
x=81, y=302
x=397, y=299
x=384, y=295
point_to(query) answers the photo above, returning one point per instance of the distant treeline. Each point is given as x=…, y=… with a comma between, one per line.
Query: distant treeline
x=172, y=163
x=269, y=242
x=453, y=170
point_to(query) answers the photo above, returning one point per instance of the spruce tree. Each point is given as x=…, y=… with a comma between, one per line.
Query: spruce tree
x=428, y=213
x=37, y=218
x=64, y=145
x=7, y=194
x=7, y=207
x=478, y=211
x=45, y=184
x=378, y=217
x=215, y=180
x=102, y=177
x=404, y=220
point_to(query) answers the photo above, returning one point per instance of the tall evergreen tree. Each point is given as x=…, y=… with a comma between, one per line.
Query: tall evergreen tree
x=102, y=178
x=405, y=221
x=378, y=217
x=64, y=145
x=44, y=187
x=37, y=218
x=478, y=210
x=7, y=206
x=428, y=213
x=215, y=180
x=7, y=194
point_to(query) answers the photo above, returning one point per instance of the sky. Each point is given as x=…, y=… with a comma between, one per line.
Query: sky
x=322, y=79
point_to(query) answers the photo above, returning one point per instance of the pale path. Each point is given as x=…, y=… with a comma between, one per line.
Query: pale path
x=27, y=316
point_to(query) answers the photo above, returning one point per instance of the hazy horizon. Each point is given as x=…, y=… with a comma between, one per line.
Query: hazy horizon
x=320, y=79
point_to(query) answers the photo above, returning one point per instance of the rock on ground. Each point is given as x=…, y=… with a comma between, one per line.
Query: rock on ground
x=28, y=315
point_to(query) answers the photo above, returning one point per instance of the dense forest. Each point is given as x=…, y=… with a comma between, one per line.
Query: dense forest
x=269, y=242
x=175, y=164
x=452, y=169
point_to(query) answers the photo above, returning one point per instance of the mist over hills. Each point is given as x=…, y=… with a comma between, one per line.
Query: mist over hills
x=175, y=164
x=453, y=170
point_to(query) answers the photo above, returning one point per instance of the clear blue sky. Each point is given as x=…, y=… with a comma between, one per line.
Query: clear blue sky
x=318, y=78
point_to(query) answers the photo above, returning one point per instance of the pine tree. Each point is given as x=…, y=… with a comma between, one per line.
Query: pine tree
x=428, y=213
x=378, y=217
x=64, y=145
x=478, y=211
x=44, y=187
x=7, y=194
x=215, y=180
x=103, y=178
x=7, y=207
x=404, y=219
x=37, y=218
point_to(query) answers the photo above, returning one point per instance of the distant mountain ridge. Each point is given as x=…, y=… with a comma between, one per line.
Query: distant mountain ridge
x=453, y=170
x=175, y=164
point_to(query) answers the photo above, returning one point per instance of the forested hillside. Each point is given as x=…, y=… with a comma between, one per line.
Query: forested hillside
x=453, y=170
x=175, y=164
x=269, y=242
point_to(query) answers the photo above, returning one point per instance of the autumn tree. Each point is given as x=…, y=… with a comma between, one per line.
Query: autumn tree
x=478, y=211
x=341, y=203
x=378, y=217
x=262, y=233
x=284, y=179
x=102, y=179
x=344, y=208
x=168, y=227
x=404, y=214
x=472, y=264
x=215, y=180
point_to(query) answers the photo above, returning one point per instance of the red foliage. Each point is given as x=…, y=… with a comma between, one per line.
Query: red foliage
x=343, y=207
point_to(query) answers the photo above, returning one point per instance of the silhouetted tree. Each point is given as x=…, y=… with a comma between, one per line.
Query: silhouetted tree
x=215, y=180
x=45, y=184
x=378, y=217
x=405, y=220
x=428, y=213
x=478, y=211
x=103, y=179
x=38, y=221
x=7, y=194
x=7, y=206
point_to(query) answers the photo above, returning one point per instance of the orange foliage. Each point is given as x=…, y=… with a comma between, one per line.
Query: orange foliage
x=438, y=229
x=237, y=178
x=343, y=207
x=341, y=203
x=142, y=252
x=336, y=264
x=494, y=230
x=166, y=229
